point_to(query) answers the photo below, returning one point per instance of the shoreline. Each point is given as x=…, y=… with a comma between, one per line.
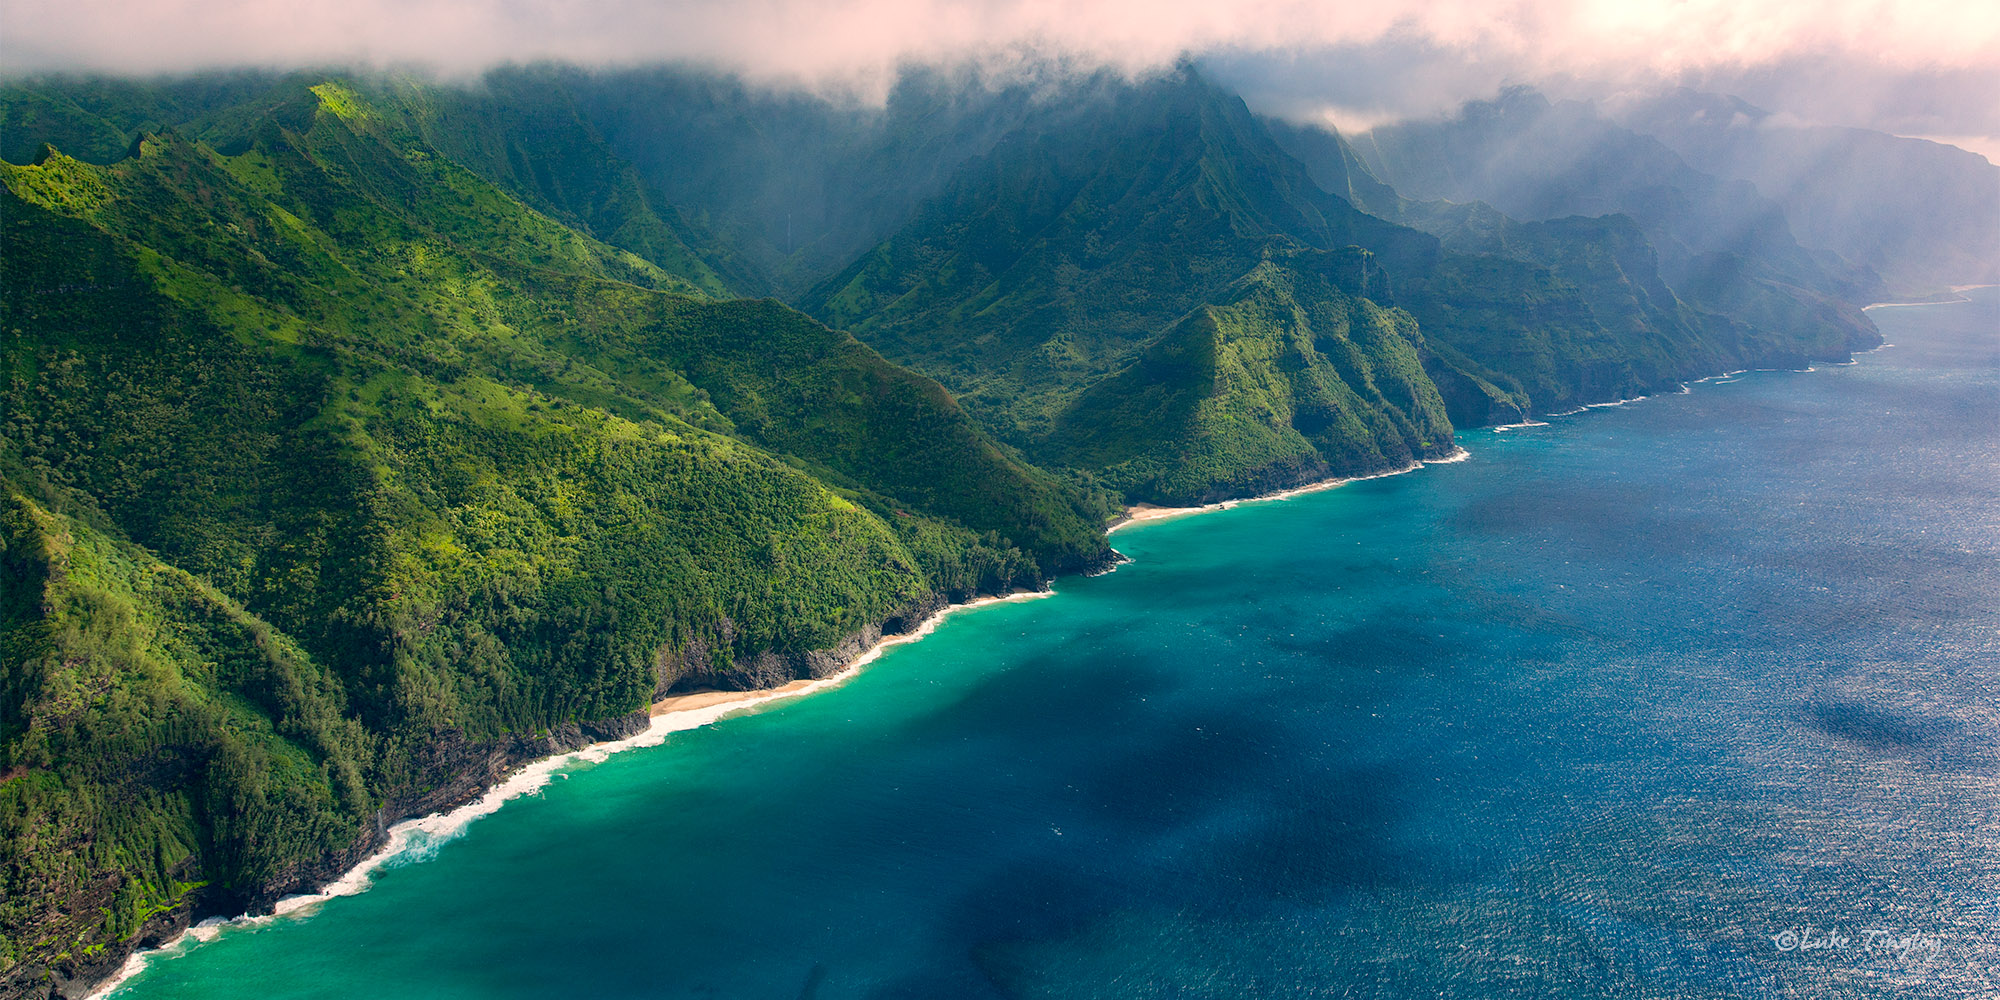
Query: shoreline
x=1140, y=513
x=1957, y=291
x=694, y=709
x=415, y=838
x=1725, y=378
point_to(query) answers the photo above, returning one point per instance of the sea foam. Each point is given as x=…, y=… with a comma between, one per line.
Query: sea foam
x=416, y=840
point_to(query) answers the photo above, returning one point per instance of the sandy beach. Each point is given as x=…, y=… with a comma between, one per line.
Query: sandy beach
x=1956, y=290
x=1141, y=512
x=694, y=700
x=675, y=713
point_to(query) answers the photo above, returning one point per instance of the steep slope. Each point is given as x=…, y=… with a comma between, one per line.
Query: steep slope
x=1332, y=163
x=792, y=184
x=490, y=483
x=521, y=130
x=1921, y=214
x=1722, y=247
x=160, y=744
x=1102, y=223
x=1083, y=236
x=1651, y=337
x=1285, y=380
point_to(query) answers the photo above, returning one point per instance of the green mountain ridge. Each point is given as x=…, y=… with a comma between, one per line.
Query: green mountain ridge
x=1287, y=380
x=366, y=436
x=1053, y=261
x=1060, y=258
x=484, y=477
x=1608, y=259
x=1722, y=246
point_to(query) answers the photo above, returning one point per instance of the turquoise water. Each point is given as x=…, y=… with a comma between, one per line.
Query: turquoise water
x=1693, y=697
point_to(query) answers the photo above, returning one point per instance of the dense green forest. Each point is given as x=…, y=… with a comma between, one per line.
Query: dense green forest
x=434, y=473
x=1058, y=258
x=366, y=436
x=1286, y=380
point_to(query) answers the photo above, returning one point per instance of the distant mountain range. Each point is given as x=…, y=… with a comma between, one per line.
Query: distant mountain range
x=365, y=436
x=1921, y=214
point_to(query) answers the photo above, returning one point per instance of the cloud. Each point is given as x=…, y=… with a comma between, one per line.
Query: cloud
x=1354, y=87
x=1466, y=47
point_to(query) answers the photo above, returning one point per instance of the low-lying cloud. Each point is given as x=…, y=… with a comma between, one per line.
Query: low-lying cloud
x=857, y=45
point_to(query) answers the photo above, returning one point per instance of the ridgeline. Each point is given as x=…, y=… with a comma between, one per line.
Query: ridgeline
x=366, y=437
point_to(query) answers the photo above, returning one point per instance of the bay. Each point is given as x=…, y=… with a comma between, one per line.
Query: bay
x=1697, y=696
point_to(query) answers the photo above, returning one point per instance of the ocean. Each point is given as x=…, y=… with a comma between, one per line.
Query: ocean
x=1696, y=696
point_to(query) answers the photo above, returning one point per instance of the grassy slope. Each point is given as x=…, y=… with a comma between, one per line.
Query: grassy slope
x=1058, y=259
x=480, y=474
x=1286, y=380
x=1062, y=258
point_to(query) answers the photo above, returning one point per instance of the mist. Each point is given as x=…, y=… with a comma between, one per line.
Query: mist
x=1912, y=68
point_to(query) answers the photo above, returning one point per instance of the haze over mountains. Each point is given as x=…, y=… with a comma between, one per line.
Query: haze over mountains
x=366, y=435
x=1918, y=213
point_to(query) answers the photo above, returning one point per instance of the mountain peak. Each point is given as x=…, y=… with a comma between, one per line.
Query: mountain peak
x=1517, y=100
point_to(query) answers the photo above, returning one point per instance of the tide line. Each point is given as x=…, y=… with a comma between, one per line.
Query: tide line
x=1958, y=296
x=1138, y=513
x=418, y=839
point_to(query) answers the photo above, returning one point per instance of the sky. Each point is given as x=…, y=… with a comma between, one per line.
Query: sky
x=1912, y=67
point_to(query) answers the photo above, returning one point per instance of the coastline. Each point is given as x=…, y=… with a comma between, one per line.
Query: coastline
x=1726, y=377
x=1957, y=291
x=415, y=838
x=1141, y=512
x=694, y=709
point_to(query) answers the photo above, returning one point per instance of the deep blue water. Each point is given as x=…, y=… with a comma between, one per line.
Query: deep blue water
x=1693, y=697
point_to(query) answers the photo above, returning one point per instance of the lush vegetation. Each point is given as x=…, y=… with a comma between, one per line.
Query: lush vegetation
x=1089, y=244
x=159, y=740
x=1064, y=255
x=359, y=436
x=332, y=466
x=1287, y=381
